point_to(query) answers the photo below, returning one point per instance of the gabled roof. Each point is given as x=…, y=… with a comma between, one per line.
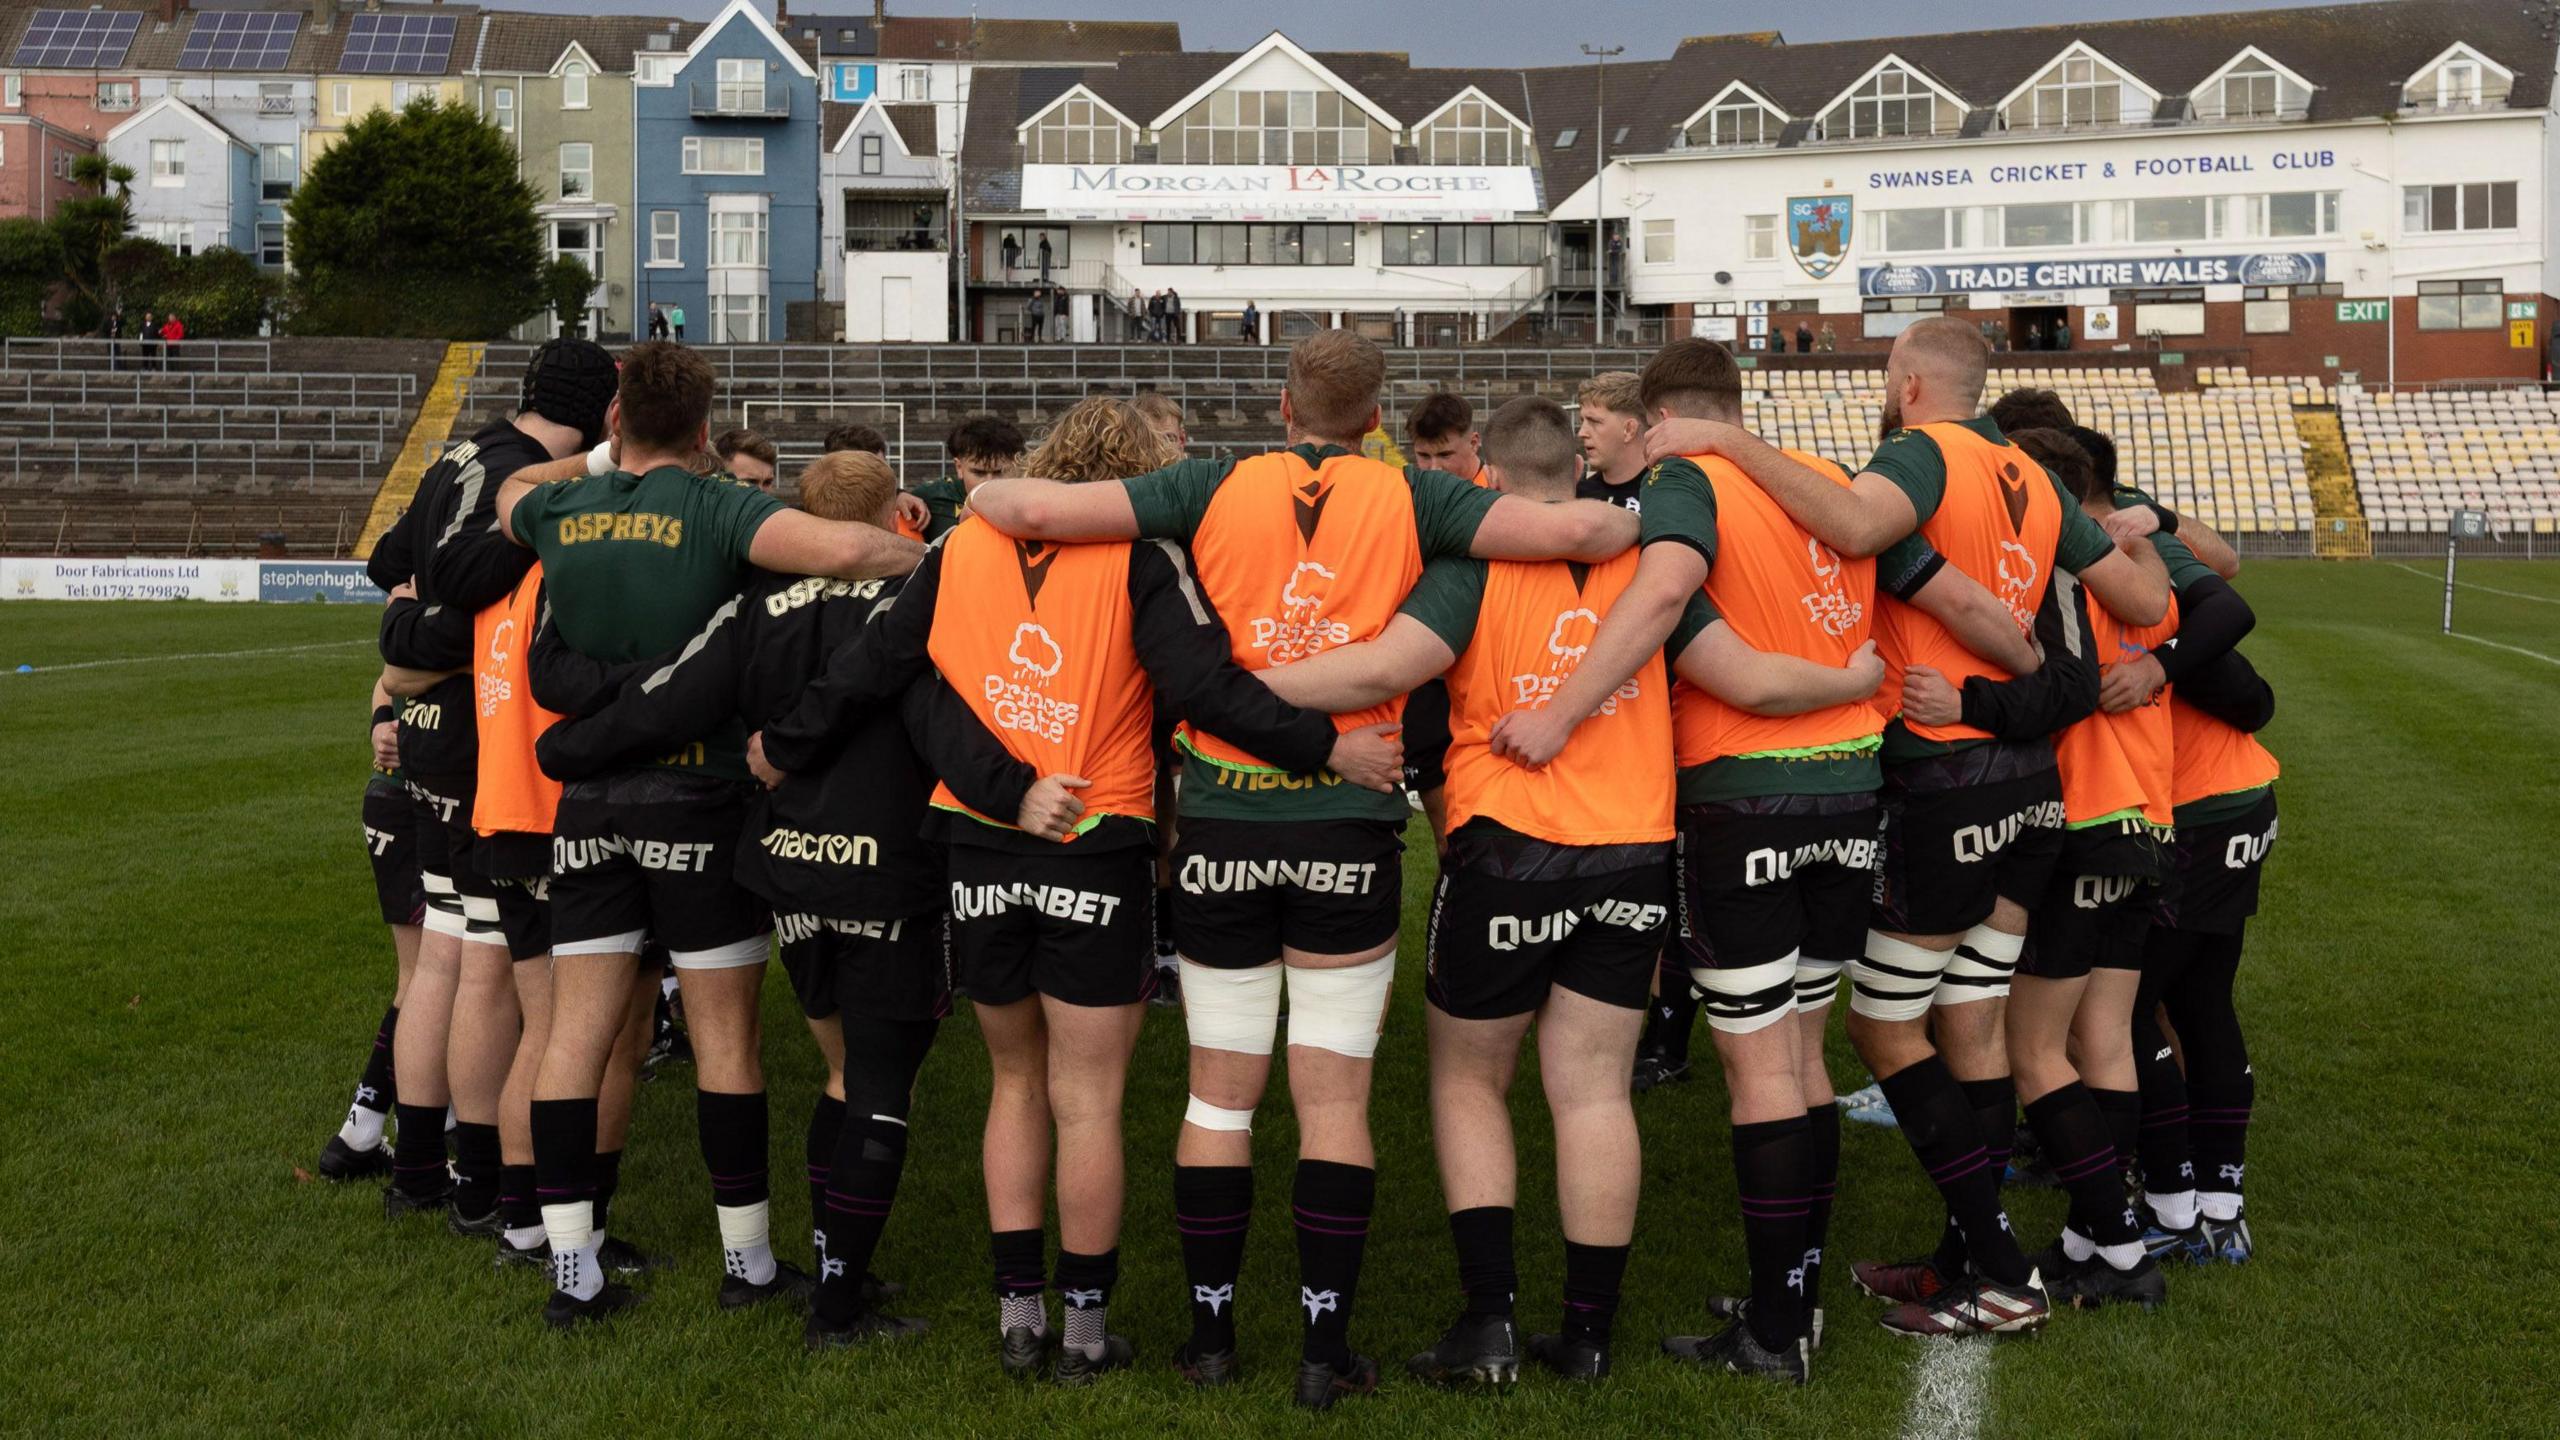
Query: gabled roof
x=2457, y=49
x=1274, y=43
x=1071, y=91
x=745, y=9
x=527, y=44
x=578, y=52
x=2085, y=50
x=169, y=103
x=912, y=124
x=1891, y=60
x=1425, y=118
x=1724, y=97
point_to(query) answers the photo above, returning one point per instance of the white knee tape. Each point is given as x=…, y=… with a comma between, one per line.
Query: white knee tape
x=1894, y=980
x=1342, y=1010
x=1216, y=1117
x=1817, y=981
x=1981, y=966
x=1237, y=1010
x=445, y=920
x=1753, y=998
x=480, y=909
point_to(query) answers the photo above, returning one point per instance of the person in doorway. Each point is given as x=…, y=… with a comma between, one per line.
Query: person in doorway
x=2062, y=334
x=1044, y=259
x=1828, y=342
x=1011, y=250
x=1804, y=337
x=1252, y=324
x=1173, y=317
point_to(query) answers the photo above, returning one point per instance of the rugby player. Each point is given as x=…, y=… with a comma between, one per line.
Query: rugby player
x=1442, y=432
x=856, y=436
x=858, y=901
x=748, y=458
x=461, y=1000
x=1050, y=919
x=1164, y=416
x=1294, y=882
x=634, y=562
x=1970, y=825
x=2028, y=408
x=1554, y=900
x=357, y=1151
x=982, y=448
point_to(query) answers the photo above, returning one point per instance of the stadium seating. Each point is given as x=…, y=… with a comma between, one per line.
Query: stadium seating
x=2419, y=456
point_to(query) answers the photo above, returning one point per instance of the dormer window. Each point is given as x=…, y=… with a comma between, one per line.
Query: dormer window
x=1893, y=101
x=2459, y=79
x=1078, y=130
x=1736, y=117
x=2078, y=89
x=2251, y=86
x=2249, y=94
x=1471, y=130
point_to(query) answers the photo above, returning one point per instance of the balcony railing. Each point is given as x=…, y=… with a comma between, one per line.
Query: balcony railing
x=928, y=236
x=714, y=100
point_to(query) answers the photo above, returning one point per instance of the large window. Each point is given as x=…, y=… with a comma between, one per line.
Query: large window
x=915, y=82
x=2461, y=304
x=112, y=94
x=738, y=238
x=1659, y=248
x=2077, y=91
x=666, y=243
x=653, y=71
x=1079, y=131
x=1916, y=231
x=341, y=98
x=737, y=319
x=1472, y=132
x=2438, y=209
x=1739, y=121
x=1275, y=127
x=1759, y=237
x=742, y=85
x=577, y=169
x=721, y=155
x=1893, y=101
x=573, y=85
x=2462, y=81
x=2253, y=92
x=168, y=162
x=2171, y=218
x=2298, y=214
x=1246, y=244
x=276, y=171
x=1463, y=244
x=2048, y=223
x=178, y=235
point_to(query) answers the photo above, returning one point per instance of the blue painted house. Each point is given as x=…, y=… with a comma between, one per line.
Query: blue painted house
x=726, y=156
x=195, y=184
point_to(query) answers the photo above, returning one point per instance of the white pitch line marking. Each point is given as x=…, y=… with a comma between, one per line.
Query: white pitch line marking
x=1950, y=1390
x=2483, y=589
x=2511, y=649
x=200, y=655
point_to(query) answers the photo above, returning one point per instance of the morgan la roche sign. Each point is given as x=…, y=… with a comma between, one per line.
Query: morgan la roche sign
x=1278, y=192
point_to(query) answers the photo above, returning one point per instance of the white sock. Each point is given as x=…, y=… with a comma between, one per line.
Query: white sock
x=746, y=1241
x=1018, y=1312
x=2076, y=1247
x=2174, y=1211
x=2122, y=1257
x=571, y=1226
x=576, y=1272
x=2221, y=1205
x=363, y=1130
x=525, y=1237
x=667, y=985
x=1087, y=1325
x=449, y=1120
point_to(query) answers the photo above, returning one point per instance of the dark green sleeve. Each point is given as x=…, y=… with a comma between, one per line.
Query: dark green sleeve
x=1447, y=511
x=1695, y=617
x=1447, y=599
x=2184, y=568
x=2084, y=541
x=536, y=507
x=1916, y=466
x=2132, y=495
x=1679, y=506
x=736, y=512
x=1170, y=502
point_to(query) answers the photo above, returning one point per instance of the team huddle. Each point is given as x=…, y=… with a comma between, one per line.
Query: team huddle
x=1698, y=724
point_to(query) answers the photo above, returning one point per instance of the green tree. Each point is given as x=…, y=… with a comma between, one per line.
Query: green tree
x=88, y=226
x=30, y=274
x=568, y=282
x=221, y=293
x=415, y=224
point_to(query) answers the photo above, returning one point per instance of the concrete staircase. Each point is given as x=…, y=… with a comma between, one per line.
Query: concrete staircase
x=2339, y=530
x=425, y=443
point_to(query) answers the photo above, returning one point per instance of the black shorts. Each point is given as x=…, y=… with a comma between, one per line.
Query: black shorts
x=1964, y=830
x=1245, y=889
x=1498, y=945
x=524, y=917
x=1426, y=737
x=1773, y=875
x=878, y=969
x=440, y=815
x=2216, y=869
x=1077, y=928
x=654, y=853
x=391, y=844
x=2096, y=909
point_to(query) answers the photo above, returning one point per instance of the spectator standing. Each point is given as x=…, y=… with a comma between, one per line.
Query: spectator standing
x=1060, y=310
x=2062, y=334
x=1804, y=337
x=1155, y=317
x=1828, y=343
x=1011, y=250
x=675, y=317
x=172, y=330
x=115, y=339
x=1044, y=259
x=148, y=332
x=1252, y=324
x=1172, y=316
x=1035, y=313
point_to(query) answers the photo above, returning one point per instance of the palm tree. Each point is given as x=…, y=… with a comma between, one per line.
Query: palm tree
x=92, y=224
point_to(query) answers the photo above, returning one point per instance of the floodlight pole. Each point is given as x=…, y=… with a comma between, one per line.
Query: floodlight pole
x=1599, y=186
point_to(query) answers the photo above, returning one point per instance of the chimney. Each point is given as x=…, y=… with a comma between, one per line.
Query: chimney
x=781, y=14
x=169, y=11
x=324, y=14
x=879, y=15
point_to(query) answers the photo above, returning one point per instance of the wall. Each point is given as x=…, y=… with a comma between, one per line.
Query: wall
x=928, y=281
x=840, y=178
x=542, y=125
x=365, y=94
x=29, y=185
x=218, y=196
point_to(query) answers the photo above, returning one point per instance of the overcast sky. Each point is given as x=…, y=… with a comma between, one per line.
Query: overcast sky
x=1493, y=32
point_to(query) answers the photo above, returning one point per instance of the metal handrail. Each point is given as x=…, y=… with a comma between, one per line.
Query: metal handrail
x=97, y=387
x=226, y=424
x=47, y=466
x=73, y=354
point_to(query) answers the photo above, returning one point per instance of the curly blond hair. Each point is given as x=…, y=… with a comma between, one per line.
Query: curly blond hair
x=1102, y=438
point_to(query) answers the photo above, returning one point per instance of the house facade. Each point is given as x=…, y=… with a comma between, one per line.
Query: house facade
x=195, y=185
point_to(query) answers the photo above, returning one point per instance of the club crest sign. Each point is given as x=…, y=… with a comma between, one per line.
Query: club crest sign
x=1818, y=233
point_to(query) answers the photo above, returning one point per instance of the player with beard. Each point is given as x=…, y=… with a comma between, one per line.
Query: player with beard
x=859, y=903
x=1294, y=882
x=357, y=1151
x=1050, y=918
x=634, y=563
x=459, y=1020
x=1951, y=918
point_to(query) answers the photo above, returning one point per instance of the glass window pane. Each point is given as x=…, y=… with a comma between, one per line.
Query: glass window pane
x=2044, y=224
x=2170, y=218
x=2445, y=208
x=2481, y=312
x=1448, y=242
x=2502, y=205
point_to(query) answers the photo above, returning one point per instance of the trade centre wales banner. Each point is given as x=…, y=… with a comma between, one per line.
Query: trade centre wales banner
x=1279, y=192
x=1975, y=279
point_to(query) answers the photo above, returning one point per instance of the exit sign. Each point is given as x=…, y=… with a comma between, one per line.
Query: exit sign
x=2354, y=312
x=2524, y=309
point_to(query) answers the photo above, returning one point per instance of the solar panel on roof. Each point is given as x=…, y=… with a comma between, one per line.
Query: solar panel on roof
x=398, y=44
x=240, y=40
x=77, y=39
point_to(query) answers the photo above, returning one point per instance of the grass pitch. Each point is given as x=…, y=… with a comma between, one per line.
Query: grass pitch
x=193, y=974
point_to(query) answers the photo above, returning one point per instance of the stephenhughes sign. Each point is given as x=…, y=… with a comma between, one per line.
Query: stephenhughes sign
x=1278, y=192
x=2283, y=269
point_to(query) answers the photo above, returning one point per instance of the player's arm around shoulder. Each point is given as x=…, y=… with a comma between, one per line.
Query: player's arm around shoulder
x=1637, y=624
x=1032, y=509
x=794, y=542
x=1858, y=520
x=1721, y=662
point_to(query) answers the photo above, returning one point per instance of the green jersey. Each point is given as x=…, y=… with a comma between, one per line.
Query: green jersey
x=1170, y=504
x=946, y=498
x=634, y=564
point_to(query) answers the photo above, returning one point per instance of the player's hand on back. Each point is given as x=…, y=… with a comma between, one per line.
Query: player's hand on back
x=1866, y=667
x=1531, y=738
x=2133, y=522
x=913, y=512
x=1928, y=699
x=386, y=745
x=1371, y=757
x=762, y=768
x=1669, y=439
x=1051, y=808
x=2130, y=685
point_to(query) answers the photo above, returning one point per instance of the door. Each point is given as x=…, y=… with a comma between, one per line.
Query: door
x=897, y=322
